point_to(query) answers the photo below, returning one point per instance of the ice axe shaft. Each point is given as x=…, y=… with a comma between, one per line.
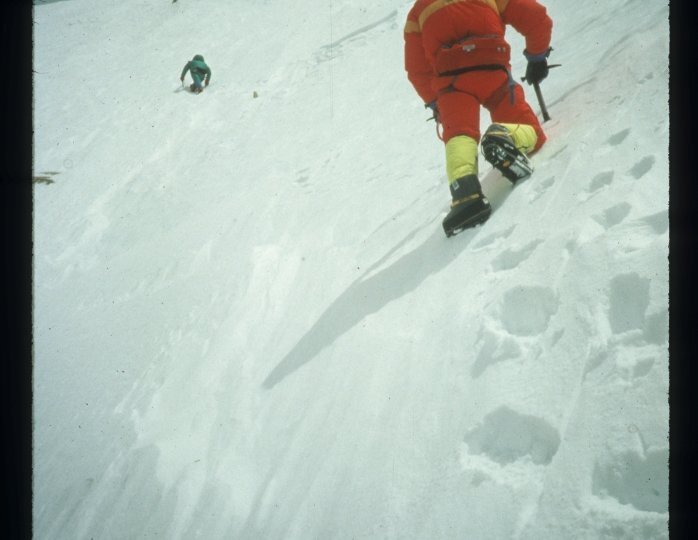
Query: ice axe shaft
x=543, y=109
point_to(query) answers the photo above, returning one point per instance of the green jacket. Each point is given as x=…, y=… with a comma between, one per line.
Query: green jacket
x=197, y=67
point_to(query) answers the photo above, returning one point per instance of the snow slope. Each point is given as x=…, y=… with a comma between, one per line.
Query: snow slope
x=248, y=323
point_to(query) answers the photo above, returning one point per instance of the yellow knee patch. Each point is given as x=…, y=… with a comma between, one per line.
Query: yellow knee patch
x=461, y=157
x=523, y=135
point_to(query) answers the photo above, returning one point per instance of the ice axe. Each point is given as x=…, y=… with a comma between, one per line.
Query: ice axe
x=539, y=95
x=435, y=118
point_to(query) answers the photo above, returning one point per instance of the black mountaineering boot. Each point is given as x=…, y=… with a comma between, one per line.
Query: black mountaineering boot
x=469, y=207
x=499, y=150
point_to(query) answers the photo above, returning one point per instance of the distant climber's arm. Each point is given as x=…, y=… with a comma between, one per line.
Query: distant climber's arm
x=184, y=71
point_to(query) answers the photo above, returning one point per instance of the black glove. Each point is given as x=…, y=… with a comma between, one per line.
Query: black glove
x=537, y=68
x=432, y=105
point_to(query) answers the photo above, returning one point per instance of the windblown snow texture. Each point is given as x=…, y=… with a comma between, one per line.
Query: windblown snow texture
x=248, y=322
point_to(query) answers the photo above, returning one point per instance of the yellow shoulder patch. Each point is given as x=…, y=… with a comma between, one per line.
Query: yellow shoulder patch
x=502, y=5
x=438, y=4
x=412, y=27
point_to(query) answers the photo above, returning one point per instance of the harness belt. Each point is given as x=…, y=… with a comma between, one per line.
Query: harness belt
x=485, y=67
x=475, y=53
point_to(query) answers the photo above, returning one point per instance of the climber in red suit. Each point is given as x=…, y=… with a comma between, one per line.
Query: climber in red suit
x=457, y=59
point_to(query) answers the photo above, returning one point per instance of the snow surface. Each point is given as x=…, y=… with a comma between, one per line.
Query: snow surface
x=248, y=323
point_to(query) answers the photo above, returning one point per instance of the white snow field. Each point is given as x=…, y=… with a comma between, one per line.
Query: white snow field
x=249, y=324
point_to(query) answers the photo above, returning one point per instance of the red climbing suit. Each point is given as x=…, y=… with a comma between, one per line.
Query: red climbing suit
x=456, y=55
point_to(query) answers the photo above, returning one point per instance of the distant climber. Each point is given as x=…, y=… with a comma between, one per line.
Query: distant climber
x=199, y=72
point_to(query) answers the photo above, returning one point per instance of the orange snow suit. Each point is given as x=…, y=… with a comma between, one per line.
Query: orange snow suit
x=456, y=56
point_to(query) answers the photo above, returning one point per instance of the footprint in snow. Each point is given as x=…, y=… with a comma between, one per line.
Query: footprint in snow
x=642, y=167
x=613, y=215
x=659, y=222
x=511, y=257
x=493, y=237
x=303, y=178
x=616, y=139
x=523, y=312
x=633, y=354
x=539, y=188
x=634, y=362
x=506, y=436
x=656, y=329
x=629, y=298
x=648, y=77
x=634, y=479
x=494, y=348
x=639, y=340
x=526, y=311
x=600, y=180
x=597, y=183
